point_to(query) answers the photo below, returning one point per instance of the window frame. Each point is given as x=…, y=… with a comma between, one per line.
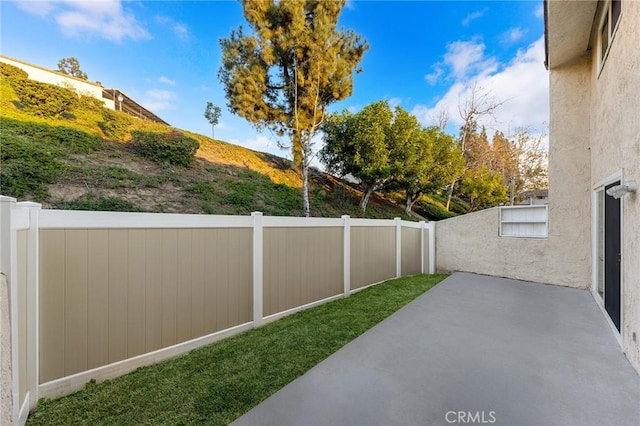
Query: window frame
x=605, y=20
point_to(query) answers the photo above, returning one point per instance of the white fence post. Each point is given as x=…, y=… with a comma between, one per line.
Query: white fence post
x=422, y=228
x=33, y=301
x=258, y=257
x=432, y=247
x=398, y=247
x=346, y=254
x=8, y=391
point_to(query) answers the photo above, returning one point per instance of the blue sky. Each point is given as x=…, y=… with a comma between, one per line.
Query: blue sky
x=423, y=56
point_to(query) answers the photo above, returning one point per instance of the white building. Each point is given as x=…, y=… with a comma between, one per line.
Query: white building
x=112, y=98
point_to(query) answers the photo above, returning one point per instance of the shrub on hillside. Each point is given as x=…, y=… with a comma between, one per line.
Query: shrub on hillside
x=89, y=103
x=165, y=148
x=115, y=125
x=45, y=100
x=12, y=73
x=432, y=212
x=456, y=206
x=28, y=167
x=94, y=202
x=68, y=138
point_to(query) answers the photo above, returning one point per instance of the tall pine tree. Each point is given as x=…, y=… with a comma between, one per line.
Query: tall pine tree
x=293, y=65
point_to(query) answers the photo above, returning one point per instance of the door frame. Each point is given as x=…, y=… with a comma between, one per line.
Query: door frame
x=599, y=186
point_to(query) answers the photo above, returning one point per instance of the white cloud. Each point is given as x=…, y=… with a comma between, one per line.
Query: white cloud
x=179, y=29
x=107, y=19
x=473, y=16
x=34, y=7
x=522, y=84
x=462, y=58
x=394, y=102
x=224, y=126
x=434, y=76
x=158, y=99
x=166, y=80
x=465, y=57
x=513, y=35
x=539, y=12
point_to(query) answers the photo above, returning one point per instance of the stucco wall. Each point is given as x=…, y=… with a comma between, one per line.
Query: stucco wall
x=569, y=175
x=471, y=242
x=615, y=145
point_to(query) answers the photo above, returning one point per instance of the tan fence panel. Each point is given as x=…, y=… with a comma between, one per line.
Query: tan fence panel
x=22, y=243
x=109, y=295
x=411, y=251
x=97, y=297
x=52, y=304
x=301, y=265
x=373, y=255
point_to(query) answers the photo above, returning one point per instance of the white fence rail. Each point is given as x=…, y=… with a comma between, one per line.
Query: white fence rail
x=259, y=279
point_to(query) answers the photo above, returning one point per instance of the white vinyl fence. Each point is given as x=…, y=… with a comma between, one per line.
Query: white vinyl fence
x=94, y=295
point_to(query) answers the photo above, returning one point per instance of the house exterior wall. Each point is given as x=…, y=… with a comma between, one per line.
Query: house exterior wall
x=615, y=147
x=51, y=77
x=569, y=177
x=593, y=135
x=471, y=242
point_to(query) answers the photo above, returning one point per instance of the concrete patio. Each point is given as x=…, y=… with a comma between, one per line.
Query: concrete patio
x=474, y=349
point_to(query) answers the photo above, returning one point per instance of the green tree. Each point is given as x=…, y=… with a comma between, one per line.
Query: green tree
x=294, y=65
x=71, y=66
x=483, y=187
x=212, y=114
x=437, y=160
x=503, y=159
x=477, y=149
x=532, y=159
x=372, y=145
x=478, y=103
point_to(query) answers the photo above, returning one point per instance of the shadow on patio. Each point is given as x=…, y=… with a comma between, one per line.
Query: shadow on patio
x=474, y=349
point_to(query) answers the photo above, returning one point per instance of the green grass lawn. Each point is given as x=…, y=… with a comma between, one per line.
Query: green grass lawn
x=218, y=383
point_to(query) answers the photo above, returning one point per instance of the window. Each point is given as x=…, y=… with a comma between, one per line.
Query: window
x=609, y=24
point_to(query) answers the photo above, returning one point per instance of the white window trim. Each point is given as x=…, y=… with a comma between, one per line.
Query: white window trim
x=599, y=186
x=604, y=14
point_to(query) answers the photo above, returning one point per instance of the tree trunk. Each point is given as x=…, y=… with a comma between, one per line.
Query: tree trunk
x=511, y=191
x=450, y=194
x=366, y=193
x=212, y=132
x=305, y=188
x=411, y=199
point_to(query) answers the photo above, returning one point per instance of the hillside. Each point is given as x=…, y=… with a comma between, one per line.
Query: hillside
x=79, y=155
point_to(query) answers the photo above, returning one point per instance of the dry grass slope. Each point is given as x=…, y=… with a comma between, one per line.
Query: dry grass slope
x=57, y=161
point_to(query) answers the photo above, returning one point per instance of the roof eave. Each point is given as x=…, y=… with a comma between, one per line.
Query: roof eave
x=567, y=30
